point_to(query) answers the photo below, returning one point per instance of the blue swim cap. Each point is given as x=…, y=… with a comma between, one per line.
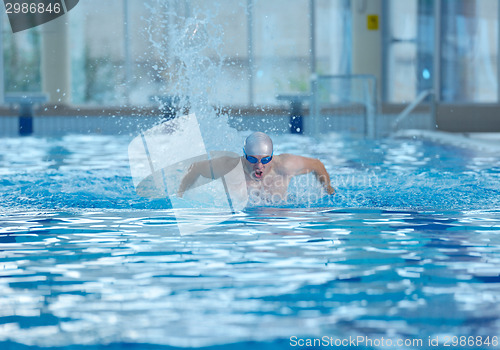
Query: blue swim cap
x=259, y=144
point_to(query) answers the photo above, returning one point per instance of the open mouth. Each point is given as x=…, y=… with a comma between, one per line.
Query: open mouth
x=258, y=174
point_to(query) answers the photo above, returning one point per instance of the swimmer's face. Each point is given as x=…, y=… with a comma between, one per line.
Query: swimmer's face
x=258, y=170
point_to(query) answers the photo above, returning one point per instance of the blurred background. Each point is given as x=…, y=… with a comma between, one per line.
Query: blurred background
x=107, y=57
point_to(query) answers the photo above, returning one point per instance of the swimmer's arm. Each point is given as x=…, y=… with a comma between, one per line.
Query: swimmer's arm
x=320, y=172
x=298, y=165
x=194, y=171
x=219, y=167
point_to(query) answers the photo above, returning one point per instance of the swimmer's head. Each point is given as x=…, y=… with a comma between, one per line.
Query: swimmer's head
x=259, y=154
x=258, y=144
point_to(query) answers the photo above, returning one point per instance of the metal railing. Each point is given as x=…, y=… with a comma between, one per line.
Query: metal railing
x=406, y=112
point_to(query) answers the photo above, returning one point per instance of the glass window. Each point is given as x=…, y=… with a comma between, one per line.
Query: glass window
x=333, y=37
x=97, y=52
x=281, y=48
x=261, y=49
x=402, y=51
x=468, y=42
x=21, y=54
x=469, y=51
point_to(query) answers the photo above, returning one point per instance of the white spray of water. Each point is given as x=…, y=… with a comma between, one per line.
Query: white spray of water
x=189, y=48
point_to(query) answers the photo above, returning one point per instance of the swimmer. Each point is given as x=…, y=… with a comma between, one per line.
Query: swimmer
x=267, y=175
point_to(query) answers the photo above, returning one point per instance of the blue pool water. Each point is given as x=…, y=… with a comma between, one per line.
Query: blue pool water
x=408, y=249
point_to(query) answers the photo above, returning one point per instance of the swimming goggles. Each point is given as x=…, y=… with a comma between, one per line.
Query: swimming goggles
x=254, y=160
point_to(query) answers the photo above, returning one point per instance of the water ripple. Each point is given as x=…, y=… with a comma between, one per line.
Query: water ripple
x=125, y=277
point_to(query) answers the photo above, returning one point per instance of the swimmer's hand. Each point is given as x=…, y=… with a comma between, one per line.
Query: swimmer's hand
x=330, y=190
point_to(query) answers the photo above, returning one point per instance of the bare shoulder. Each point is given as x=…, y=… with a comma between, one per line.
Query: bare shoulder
x=291, y=164
x=288, y=164
x=286, y=159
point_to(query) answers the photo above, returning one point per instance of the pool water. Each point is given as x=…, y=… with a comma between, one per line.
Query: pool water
x=407, y=250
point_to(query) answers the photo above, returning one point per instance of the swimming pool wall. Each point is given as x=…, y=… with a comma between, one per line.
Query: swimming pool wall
x=60, y=120
x=111, y=121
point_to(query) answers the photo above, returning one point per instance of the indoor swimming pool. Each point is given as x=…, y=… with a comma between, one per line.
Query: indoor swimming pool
x=406, y=255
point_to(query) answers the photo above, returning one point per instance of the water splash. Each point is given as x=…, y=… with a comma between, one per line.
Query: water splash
x=189, y=44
